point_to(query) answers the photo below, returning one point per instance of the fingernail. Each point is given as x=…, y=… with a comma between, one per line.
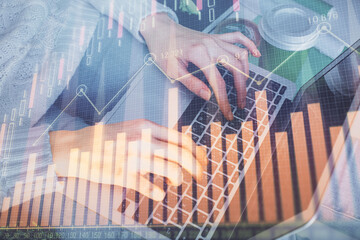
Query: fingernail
x=158, y=194
x=205, y=94
x=243, y=104
x=229, y=116
x=257, y=53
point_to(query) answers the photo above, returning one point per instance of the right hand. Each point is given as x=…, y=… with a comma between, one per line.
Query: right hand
x=203, y=50
x=149, y=148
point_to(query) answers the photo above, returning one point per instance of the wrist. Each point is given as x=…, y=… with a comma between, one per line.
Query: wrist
x=155, y=23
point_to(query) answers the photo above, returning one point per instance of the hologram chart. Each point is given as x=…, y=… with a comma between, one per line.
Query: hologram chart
x=267, y=200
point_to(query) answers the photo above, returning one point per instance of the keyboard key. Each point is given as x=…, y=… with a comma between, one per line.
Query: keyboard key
x=251, y=93
x=218, y=180
x=228, y=130
x=241, y=113
x=274, y=86
x=260, y=115
x=216, y=192
x=219, y=117
x=206, y=231
x=175, y=217
x=253, y=114
x=214, y=216
x=251, y=74
x=187, y=204
x=230, y=167
x=158, y=215
x=194, y=138
x=204, y=118
x=259, y=83
x=216, y=155
x=210, y=108
x=201, y=217
x=282, y=90
x=235, y=124
x=190, y=233
x=270, y=95
x=248, y=82
x=261, y=130
x=203, y=205
x=213, y=99
x=272, y=109
x=232, y=99
x=249, y=103
x=198, y=128
x=170, y=195
x=169, y=231
x=277, y=100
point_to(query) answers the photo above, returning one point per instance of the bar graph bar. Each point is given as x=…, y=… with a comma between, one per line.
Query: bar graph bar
x=16, y=201
x=236, y=5
x=2, y=134
x=199, y=4
x=133, y=158
x=158, y=215
x=105, y=188
x=301, y=159
x=49, y=186
x=186, y=176
x=27, y=190
x=34, y=220
x=57, y=207
x=173, y=149
x=285, y=180
x=266, y=164
x=82, y=188
x=70, y=186
x=232, y=158
x=61, y=69
x=120, y=24
x=217, y=165
x=95, y=172
x=33, y=91
x=143, y=211
x=5, y=211
x=120, y=163
x=203, y=204
x=252, y=202
x=111, y=15
x=317, y=138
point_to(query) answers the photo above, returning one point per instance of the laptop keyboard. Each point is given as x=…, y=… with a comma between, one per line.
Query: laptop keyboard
x=197, y=208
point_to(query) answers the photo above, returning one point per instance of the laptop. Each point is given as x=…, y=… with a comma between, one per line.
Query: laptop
x=225, y=194
x=176, y=221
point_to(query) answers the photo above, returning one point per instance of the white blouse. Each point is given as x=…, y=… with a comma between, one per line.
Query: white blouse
x=36, y=36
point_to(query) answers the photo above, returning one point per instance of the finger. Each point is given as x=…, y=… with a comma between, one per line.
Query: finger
x=240, y=82
x=169, y=170
x=150, y=190
x=194, y=84
x=238, y=37
x=202, y=60
x=184, y=159
x=172, y=136
x=239, y=67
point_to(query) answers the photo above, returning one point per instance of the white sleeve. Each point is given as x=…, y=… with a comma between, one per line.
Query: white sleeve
x=134, y=11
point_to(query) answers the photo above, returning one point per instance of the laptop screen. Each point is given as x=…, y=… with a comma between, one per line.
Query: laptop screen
x=189, y=16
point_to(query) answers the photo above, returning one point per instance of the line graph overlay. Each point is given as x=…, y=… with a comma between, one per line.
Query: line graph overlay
x=150, y=59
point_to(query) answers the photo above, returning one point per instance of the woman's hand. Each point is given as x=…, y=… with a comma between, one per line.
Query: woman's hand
x=140, y=147
x=176, y=46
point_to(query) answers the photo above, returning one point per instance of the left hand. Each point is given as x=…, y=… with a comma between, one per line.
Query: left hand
x=204, y=51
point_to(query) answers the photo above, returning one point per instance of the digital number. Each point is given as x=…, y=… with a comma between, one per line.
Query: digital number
x=331, y=16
